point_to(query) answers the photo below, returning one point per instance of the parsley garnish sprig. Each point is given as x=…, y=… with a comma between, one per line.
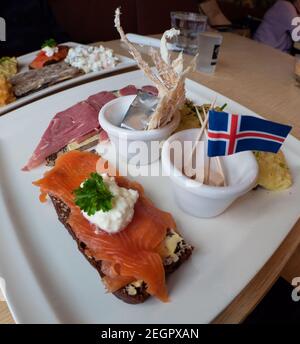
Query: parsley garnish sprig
x=94, y=195
x=49, y=43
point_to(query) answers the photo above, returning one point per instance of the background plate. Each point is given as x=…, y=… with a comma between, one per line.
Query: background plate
x=25, y=60
x=48, y=279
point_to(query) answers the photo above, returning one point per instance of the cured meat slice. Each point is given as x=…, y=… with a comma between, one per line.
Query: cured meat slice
x=128, y=90
x=150, y=89
x=103, y=136
x=99, y=99
x=76, y=123
x=132, y=253
x=66, y=126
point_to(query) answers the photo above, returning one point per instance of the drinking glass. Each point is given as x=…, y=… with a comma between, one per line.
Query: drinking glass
x=190, y=25
x=209, y=44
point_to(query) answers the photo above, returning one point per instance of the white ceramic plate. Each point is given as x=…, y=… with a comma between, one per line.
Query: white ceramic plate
x=49, y=281
x=25, y=60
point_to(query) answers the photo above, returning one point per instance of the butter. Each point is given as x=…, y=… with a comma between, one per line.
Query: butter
x=172, y=241
x=131, y=288
x=76, y=146
x=137, y=283
x=140, y=111
x=167, y=251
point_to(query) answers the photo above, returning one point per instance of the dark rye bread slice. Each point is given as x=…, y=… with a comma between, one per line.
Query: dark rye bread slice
x=183, y=253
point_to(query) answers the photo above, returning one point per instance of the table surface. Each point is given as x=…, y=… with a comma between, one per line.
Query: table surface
x=262, y=79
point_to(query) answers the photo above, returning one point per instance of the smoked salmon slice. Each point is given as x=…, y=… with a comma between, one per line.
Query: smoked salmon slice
x=42, y=59
x=129, y=255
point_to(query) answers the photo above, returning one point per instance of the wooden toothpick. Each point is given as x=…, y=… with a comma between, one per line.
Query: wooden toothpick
x=188, y=168
x=218, y=160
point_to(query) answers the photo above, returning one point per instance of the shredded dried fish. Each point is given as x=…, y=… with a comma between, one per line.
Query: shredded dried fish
x=169, y=79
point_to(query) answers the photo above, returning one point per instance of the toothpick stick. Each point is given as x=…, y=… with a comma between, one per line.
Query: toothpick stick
x=219, y=164
x=205, y=131
x=188, y=167
x=220, y=168
x=212, y=106
x=207, y=177
x=209, y=159
x=200, y=117
x=207, y=167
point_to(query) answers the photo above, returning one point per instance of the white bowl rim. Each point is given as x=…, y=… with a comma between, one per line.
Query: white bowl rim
x=208, y=191
x=111, y=128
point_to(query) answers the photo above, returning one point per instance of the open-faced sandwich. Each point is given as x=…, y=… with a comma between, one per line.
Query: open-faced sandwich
x=8, y=66
x=6, y=91
x=55, y=63
x=131, y=243
x=50, y=53
x=77, y=128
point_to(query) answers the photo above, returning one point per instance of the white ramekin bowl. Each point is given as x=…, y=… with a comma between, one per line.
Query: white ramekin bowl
x=135, y=146
x=202, y=200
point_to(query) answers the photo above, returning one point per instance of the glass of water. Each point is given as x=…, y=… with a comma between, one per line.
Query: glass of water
x=190, y=25
x=209, y=44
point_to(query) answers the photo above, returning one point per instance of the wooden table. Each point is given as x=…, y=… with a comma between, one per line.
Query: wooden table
x=262, y=79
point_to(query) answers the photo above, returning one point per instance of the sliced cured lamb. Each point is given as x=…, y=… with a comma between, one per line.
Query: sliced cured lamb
x=77, y=123
x=99, y=99
x=150, y=89
x=128, y=90
x=103, y=136
x=66, y=126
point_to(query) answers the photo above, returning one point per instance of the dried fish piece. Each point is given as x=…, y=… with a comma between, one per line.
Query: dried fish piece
x=169, y=78
x=137, y=56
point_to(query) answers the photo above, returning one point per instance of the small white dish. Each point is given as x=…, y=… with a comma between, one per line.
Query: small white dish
x=205, y=201
x=140, y=147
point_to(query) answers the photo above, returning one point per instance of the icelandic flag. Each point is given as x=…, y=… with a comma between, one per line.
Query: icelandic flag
x=229, y=134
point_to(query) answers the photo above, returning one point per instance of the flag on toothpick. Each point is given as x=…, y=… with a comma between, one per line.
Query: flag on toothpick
x=230, y=133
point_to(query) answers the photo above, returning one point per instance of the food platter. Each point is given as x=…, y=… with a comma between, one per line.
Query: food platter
x=25, y=60
x=47, y=279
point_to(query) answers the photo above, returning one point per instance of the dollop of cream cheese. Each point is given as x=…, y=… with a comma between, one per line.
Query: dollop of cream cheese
x=122, y=212
x=50, y=51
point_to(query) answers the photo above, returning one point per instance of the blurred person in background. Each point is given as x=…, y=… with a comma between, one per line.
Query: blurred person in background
x=28, y=24
x=276, y=27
